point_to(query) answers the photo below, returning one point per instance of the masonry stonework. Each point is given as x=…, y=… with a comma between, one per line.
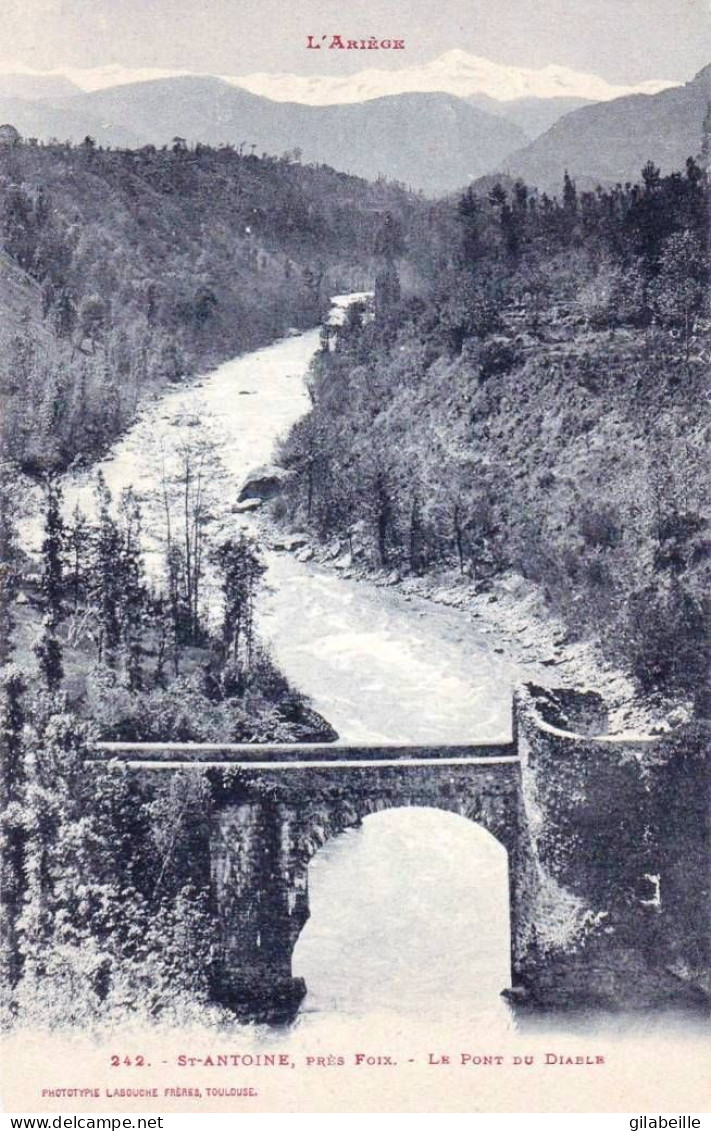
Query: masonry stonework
x=618, y=834
x=607, y=840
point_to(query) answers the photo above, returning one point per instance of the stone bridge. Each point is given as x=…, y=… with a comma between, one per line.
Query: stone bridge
x=595, y=888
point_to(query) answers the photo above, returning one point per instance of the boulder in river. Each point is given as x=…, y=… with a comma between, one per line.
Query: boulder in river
x=264, y=483
x=247, y=505
x=289, y=542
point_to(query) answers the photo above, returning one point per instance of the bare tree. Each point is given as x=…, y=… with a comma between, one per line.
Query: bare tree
x=191, y=477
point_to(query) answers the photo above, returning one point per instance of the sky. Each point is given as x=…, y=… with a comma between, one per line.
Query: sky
x=624, y=41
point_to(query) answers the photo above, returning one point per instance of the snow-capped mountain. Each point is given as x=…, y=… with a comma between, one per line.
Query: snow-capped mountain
x=456, y=72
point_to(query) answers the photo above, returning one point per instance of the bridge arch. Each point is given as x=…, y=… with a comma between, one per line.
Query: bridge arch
x=320, y=823
x=272, y=826
x=433, y=888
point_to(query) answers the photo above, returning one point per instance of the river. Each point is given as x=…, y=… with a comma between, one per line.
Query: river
x=380, y=666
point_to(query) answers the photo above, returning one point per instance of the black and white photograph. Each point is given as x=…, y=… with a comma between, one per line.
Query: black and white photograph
x=355, y=555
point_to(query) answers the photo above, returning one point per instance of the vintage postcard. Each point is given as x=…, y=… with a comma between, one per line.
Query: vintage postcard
x=354, y=617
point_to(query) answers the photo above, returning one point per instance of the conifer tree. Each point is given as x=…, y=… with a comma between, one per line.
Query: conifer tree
x=9, y=568
x=78, y=535
x=132, y=590
x=12, y=830
x=49, y=648
x=105, y=577
x=241, y=569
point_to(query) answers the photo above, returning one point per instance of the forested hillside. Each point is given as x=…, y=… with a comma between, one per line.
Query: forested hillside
x=543, y=410
x=121, y=273
x=430, y=141
x=142, y=267
x=610, y=141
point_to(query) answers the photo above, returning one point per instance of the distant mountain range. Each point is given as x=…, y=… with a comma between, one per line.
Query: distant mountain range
x=36, y=86
x=62, y=120
x=533, y=115
x=484, y=119
x=611, y=141
x=433, y=142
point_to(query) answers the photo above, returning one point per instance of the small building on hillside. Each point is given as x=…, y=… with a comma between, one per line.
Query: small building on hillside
x=9, y=135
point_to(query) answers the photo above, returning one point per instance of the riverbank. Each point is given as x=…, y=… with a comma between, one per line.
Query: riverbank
x=511, y=611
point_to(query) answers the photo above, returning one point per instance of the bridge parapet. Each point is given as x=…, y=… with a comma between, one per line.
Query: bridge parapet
x=309, y=754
